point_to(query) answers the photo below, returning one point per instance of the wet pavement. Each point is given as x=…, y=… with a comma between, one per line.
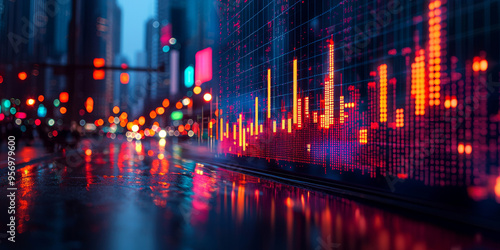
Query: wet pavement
x=129, y=195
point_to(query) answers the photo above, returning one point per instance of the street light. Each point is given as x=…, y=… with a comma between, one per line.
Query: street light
x=30, y=102
x=207, y=97
x=186, y=101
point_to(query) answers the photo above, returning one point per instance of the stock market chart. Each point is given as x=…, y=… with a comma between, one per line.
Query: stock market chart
x=364, y=90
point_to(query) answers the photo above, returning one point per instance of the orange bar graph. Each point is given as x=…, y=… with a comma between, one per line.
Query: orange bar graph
x=244, y=141
x=418, y=82
x=400, y=118
x=383, y=92
x=269, y=93
x=240, y=127
x=221, y=130
x=294, y=91
x=306, y=108
x=341, y=109
x=256, y=116
x=299, y=110
x=363, y=136
x=329, y=88
x=234, y=133
x=434, y=52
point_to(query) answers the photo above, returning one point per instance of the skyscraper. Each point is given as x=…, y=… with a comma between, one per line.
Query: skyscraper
x=94, y=33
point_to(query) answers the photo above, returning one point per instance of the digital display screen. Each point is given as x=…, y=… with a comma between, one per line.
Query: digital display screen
x=399, y=96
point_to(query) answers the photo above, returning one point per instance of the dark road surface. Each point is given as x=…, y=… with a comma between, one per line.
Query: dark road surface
x=127, y=195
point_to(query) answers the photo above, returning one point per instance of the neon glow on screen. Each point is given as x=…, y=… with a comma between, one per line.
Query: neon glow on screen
x=406, y=89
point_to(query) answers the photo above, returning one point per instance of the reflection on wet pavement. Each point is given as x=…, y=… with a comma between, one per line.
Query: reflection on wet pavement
x=143, y=196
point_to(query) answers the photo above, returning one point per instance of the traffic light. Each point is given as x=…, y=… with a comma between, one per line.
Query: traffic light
x=124, y=78
x=64, y=97
x=89, y=105
x=176, y=115
x=99, y=62
x=99, y=74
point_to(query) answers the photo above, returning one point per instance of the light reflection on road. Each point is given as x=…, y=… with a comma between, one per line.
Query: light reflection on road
x=145, y=196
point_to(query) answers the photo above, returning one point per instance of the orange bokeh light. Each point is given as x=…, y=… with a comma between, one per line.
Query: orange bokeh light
x=207, y=97
x=142, y=120
x=160, y=110
x=116, y=109
x=89, y=105
x=63, y=110
x=152, y=114
x=64, y=97
x=483, y=65
x=497, y=187
x=468, y=149
x=178, y=105
x=166, y=103
x=124, y=78
x=22, y=76
x=41, y=98
x=99, y=62
x=197, y=90
x=88, y=152
x=30, y=102
x=99, y=74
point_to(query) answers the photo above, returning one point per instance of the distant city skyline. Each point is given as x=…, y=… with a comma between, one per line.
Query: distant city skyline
x=134, y=17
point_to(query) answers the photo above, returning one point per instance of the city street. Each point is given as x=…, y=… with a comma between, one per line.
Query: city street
x=256, y=124
x=133, y=195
